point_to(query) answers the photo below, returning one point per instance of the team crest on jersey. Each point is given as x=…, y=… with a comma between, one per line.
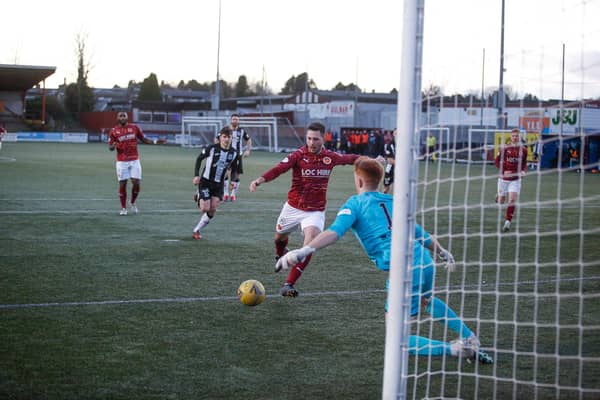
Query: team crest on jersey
x=285, y=160
x=326, y=160
x=345, y=211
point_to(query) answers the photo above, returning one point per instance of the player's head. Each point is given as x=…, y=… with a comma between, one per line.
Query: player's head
x=235, y=120
x=122, y=118
x=515, y=136
x=314, y=137
x=225, y=137
x=367, y=174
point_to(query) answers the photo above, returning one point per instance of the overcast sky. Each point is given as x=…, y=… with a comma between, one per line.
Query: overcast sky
x=334, y=41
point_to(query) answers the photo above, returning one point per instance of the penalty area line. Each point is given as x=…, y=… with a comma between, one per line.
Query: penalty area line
x=542, y=282
x=173, y=300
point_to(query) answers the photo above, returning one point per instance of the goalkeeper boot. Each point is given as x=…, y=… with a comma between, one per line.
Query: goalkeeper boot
x=123, y=211
x=484, y=358
x=196, y=235
x=506, y=226
x=481, y=356
x=225, y=198
x=288, y=291
x=460, y=349
x=232, y=198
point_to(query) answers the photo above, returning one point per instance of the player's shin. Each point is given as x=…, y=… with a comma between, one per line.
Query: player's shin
x=226, y=189
x=135, y=191
x=427, y=347
x=510, y=211
x=297, y=270
x=123, y=195
x=281, y=247
x=204, y=220
x=443, y=313
x=235, y=185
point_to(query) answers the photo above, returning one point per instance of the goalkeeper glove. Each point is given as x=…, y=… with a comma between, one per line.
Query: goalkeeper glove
x=448, y=259
x=292, y=258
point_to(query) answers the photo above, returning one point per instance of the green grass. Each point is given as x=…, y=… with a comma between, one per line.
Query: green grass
x=98, y=306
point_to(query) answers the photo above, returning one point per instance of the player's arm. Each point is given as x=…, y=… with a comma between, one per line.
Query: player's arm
x=140, y=135
x=112, y=143
x=497, y=159
x=248, y=145
x=203, y=154
x=440, y=252
x=277, y=170
x=150, y=141
x=524, y=161
x=431, y=243
x=347, y=159
x=256, y=183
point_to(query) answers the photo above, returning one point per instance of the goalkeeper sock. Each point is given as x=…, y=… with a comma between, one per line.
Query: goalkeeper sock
x=280, y=246
x=123, y=196
x=418, y=345
x=204, y=220
x=297, y=271
x=510, y=211
x=440, y=310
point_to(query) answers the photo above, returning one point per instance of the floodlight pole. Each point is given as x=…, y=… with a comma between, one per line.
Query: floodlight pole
x=562, y=91
x=500, y=123
x=217, y=96
x=482, y=84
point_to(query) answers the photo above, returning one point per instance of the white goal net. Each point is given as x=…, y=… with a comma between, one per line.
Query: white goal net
x=528, y=290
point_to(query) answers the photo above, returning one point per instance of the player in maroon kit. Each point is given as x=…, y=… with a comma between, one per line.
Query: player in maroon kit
x=311, y=167
x=124, y=137
x=512, y=162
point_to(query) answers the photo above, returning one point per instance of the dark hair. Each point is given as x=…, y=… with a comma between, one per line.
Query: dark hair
x=234, y=115
x=317, y=126
x=225, y=131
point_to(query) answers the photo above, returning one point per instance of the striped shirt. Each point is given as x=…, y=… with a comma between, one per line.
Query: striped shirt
x=216, y=164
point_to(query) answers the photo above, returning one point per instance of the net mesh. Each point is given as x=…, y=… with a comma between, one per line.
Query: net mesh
x=531, y=293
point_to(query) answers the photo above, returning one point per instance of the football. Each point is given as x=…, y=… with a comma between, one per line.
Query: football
x=251, y=292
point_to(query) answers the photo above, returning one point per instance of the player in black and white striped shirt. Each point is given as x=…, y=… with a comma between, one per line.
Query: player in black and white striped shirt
x=240, y=141
x=217, y=159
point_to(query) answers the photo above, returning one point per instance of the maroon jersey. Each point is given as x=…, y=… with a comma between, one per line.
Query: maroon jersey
x=310, y=176
x=512, y=160
x=125, y=138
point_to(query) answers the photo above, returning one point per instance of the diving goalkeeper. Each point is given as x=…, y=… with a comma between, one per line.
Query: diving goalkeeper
x=369, y=215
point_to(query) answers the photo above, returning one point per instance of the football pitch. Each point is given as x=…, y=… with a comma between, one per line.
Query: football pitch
x=94, y=305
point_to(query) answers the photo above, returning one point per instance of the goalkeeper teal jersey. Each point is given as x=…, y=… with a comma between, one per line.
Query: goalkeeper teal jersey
x=369, y=215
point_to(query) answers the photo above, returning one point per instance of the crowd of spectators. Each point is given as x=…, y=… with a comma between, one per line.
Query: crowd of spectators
x=363, y=141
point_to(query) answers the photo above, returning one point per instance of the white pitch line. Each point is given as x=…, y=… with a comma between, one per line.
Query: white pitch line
x=304, y=294
x=144, y=211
